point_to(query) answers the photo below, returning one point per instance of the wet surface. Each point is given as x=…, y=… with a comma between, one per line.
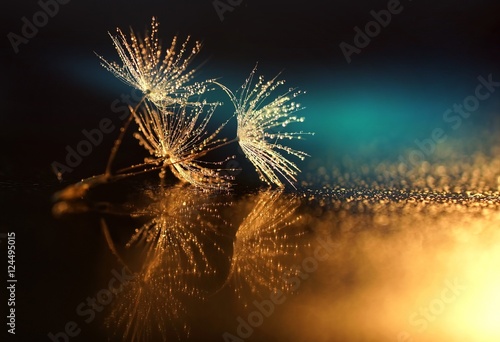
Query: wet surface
x=330, y=263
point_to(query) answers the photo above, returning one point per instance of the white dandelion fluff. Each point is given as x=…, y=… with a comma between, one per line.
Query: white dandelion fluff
x=172, y=122
x=161, y=76
x=259, y=124
x=177, y=139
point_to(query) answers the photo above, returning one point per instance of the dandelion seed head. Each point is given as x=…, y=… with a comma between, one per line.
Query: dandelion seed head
x=162, y=76
x=259, y=121
x=178, y=138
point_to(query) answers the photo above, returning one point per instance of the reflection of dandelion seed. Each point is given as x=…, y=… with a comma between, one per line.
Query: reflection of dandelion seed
x=257, y=123
x=161, y=76
x=263, y=245
x=177, y=139
x=179, y=243
x=153, y=301
x=184, y=224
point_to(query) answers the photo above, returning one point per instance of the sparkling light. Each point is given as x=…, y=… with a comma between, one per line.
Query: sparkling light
x=265, y=246
x=178, y=245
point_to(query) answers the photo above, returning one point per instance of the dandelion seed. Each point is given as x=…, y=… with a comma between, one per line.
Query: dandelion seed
x=257, y=128
x=161, y=76
x=177, y=139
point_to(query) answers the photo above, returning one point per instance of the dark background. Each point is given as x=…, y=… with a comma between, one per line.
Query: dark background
x=394, y=91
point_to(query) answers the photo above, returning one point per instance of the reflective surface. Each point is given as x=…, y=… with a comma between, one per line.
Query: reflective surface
x=391, y=253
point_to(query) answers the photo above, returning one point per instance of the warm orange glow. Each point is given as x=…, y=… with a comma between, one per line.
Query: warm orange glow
x=406, y=270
